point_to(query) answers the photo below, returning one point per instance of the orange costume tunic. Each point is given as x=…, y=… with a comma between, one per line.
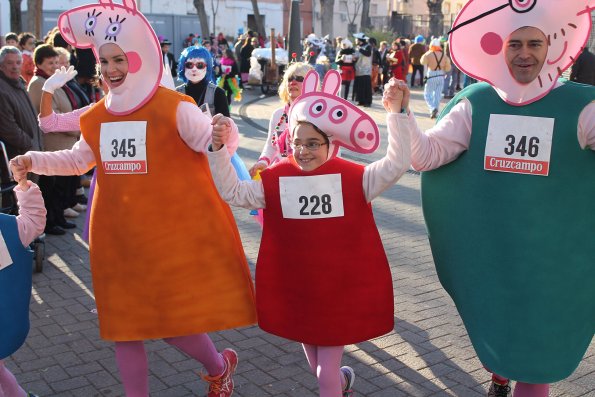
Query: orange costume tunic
x=166, y=256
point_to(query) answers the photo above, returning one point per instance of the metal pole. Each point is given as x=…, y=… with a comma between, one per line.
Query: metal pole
x=294, y=37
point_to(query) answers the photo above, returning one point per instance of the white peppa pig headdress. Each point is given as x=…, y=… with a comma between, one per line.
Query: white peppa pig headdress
x=481, y=28
x=92, y=25
x=345, y=124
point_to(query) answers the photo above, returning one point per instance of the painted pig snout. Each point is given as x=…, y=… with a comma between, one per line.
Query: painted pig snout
x=364, y=135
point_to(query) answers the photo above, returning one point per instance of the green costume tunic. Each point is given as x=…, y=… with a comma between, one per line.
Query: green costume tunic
x=514, y=251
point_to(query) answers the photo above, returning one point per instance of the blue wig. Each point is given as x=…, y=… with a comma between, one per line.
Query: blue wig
x=195, y=52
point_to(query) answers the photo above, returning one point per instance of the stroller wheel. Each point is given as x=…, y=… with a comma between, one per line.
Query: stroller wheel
x=38, y=256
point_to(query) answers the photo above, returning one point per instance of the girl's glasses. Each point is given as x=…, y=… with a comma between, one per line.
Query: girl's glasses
x=299, y=79
x=199, y=65
x=311, y=146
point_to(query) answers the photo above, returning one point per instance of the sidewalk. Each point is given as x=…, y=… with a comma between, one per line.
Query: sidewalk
x=427, y=354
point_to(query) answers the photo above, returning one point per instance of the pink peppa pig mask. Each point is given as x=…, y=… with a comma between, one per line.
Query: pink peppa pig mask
x=93, y=25
x=344, y=123
x=483, y=26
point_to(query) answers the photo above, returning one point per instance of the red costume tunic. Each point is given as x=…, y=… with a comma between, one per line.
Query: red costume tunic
x=323, y=281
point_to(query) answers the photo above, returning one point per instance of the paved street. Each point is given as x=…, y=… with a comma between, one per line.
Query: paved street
x=427, y=354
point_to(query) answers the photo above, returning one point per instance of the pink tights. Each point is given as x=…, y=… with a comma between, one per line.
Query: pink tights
x=9, y=387
x=325, y=362
x=522, y=389
x=132, y=360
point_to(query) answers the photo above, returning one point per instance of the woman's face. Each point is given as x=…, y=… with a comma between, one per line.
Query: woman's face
x=308, y=159
x=48, y=65
x=63, y=60
x=114, y=65
x=195, y=69
x=295, y=82
x=29, y=45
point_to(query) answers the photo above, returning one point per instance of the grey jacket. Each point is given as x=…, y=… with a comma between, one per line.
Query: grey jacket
x=18, y=121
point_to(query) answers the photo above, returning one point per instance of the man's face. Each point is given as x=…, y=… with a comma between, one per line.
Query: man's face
x=525, y=51
x=11, y=66
x=165, y=48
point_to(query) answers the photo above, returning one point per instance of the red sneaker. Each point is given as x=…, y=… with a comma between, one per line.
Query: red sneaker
x=222, y=385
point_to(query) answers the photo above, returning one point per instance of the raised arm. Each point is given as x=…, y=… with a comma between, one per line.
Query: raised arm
x=385, y=172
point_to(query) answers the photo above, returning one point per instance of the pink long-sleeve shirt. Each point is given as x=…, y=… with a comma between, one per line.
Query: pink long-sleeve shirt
x=378, y=176
x=31, y=218
x=450, y=137
x=194, y=129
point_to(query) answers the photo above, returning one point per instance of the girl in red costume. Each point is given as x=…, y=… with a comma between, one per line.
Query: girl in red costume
x=322, y=275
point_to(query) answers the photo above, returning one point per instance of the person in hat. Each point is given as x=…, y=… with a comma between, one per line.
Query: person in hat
x=438, y=66
x=416, y=50
x=505, y=170
x=315, y=201
x=168, y=57
x=362, y=86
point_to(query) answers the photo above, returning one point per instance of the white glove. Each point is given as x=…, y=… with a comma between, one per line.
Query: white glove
x=58, y=79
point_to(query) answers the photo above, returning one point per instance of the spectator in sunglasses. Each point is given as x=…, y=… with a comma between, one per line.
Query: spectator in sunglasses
x=196, y=71
x=275, y=147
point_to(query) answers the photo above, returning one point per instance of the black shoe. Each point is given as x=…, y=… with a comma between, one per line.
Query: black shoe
x=448, y=96
x=67, y=225
x=434, y=114
x=82, y=199
x=55, y=230
x=497, y=390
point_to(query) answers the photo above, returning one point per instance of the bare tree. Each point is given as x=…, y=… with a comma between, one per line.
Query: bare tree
x=214, y=9
x=365, y=21
x=257, y=20
x=356, y=5
x=34, y=9
x=436, y=17
x=327, y=8
x=202, y=17
x=16, y=17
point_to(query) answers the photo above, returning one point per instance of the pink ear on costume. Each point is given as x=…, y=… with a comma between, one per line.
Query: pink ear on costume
x=310, y=82
x=131, y=5
x=332, y=82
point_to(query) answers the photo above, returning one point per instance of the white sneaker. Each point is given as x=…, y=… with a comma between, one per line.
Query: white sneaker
x=349, y=380
x=80, y=207
x=70, y=213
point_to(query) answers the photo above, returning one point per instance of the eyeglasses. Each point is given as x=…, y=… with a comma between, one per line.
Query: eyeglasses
x=311, y=146
x=299, y=79
x=199, y=65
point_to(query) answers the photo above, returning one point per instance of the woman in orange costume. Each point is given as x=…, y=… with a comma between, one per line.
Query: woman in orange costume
x=166, y=263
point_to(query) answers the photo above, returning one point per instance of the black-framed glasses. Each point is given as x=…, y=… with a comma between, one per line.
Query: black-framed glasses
x=299, y=79
x=199, y=65
x=311, y=146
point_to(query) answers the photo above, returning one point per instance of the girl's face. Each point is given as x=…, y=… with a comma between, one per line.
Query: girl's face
x=195, y=69
x=29, y=45
x=310, y=150
x=294, y=86
x=114, y=65
x=49, y=65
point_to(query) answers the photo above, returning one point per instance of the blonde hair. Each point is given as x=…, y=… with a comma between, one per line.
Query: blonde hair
x=63, y=51
x=297, y=68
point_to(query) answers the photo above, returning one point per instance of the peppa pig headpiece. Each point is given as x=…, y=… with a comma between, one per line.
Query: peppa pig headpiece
x=345, y=124
x=93, y=25
x=481, y=28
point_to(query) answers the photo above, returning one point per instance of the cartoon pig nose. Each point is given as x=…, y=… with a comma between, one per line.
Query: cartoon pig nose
x=364, y=134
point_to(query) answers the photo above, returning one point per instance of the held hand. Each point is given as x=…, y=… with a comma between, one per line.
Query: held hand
x=24, y=184
x=58, y=79
x=221, y=131
x=20, y=166
x=259, y=166
x=395, y=96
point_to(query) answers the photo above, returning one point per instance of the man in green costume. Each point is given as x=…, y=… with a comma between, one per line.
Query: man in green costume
x=507, y=191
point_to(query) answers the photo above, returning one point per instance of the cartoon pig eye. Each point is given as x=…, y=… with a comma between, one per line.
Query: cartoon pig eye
x=522, y=5
x=338, y=114
x=318, y=108
x=90, y=23
x=113, y=28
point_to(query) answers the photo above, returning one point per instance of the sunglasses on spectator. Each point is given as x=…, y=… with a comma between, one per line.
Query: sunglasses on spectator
x=299, y=79
x=199, y=65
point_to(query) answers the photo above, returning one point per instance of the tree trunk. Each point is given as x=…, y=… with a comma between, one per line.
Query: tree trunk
x=436, y=17
x=326, y=10
x=202, y=18
x=365, y=23
x=214, y=9
x=16, y=18
x=34, y=17
x=257, y=20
